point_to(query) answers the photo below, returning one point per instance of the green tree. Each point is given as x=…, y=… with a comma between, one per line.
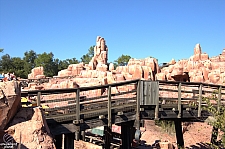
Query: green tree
x=122, y=60
x=29, y=61
x=1, y=50
x=18, y=67
x=47, y=61
x=87, y=57
x=63, y=64
x=6, y=63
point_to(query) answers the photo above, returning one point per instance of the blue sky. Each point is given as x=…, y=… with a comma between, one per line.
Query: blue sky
x=164, y=29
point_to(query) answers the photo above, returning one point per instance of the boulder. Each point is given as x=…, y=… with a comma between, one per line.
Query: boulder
x=30, y=128
x=10, y=101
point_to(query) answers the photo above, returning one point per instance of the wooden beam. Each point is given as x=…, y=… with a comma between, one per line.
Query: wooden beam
x=139, y=97
x=179, y=133
x=39, y=99
x=108, y=128
x=179, y=101
x=109, y=108
x=200, y=101
x=157, y=103
x=77, y=133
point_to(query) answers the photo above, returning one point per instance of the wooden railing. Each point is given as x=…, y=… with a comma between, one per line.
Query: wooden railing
x=62, y=104
x=87, y=102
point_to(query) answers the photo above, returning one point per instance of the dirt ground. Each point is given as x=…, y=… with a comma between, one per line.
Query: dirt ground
x=196, y=135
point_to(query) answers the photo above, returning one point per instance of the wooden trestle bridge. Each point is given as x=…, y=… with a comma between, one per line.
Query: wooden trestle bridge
x=72, y=111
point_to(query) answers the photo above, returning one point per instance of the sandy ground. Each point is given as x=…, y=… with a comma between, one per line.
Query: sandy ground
x=196, y=136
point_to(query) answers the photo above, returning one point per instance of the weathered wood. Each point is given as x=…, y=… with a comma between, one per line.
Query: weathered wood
x=139, y=97
x=77, y=133
x=38, y=98
x=126, y=135
x=200, y=101
x=108, y=137
x=109, y=108
x=157, y=102
x=179, y=101
x=179, y=134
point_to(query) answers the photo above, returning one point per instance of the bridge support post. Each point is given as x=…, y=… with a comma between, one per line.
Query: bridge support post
x=108, y=128
x=127, y=135
x=108, y=137
x=179, y=133
x=77, y=121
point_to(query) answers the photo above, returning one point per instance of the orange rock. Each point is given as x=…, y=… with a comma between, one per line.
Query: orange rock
x=111, y=66
x=197, y=49
x=160, y=76
x=64, y=73
x=147, y=73
x=204, y=56
x=137, y=74
x=177, y=71
x=120, y=77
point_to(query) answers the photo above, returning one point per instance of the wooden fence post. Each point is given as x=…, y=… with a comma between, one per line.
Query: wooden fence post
x=139, y=97
x=77, y=133
x=179, y=101
x=200, y=101
x=39, y=99
x=108, y=128
x=157, y=104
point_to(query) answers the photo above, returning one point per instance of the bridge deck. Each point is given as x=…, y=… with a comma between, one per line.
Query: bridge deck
x=88, y=107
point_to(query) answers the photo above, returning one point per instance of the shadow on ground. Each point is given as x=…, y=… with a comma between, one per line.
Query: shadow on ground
x=143, y=145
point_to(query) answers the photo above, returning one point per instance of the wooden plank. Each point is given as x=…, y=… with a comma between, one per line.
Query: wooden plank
x=200, y=101
x=139, y=97
x=145, y=91
x=179, y=101
x=77, y=133
x=38, y=98
x=219, y=98
x=109, y=109
x=156, y=90
x=179, y=134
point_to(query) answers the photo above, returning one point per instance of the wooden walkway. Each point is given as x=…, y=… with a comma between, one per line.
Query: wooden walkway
x=75, y=110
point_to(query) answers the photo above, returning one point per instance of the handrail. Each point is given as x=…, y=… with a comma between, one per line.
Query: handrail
x=70, y=90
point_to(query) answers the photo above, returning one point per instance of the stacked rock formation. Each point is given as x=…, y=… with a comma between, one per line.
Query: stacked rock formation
x=24, y=126
x=99, y=61
x=37, y=73
x=9, y=101
x=198, y=68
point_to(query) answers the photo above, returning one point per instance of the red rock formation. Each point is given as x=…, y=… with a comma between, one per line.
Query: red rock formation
x=36, y=73
x=10, y=101
x=30, y=128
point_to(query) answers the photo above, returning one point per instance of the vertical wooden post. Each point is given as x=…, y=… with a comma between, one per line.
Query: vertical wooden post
x=126, y=135
x=200, y=101
x=139, y=90
x=109, y=108
x=179, y=101
x=77, y=133
x=179, y=133
x=39, y=99
x=219, y=98
x=157, y=103
x=108, y=128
